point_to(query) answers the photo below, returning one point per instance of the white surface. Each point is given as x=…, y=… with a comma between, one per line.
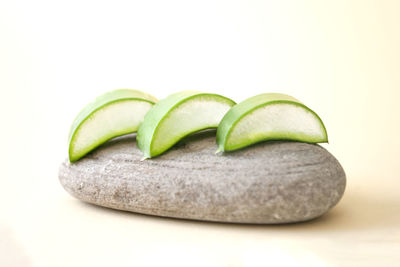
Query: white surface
x=340, y=58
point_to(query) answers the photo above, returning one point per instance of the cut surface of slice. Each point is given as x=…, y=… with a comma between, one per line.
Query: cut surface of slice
x=177, y=116
x=270, y=116
x=112, y=114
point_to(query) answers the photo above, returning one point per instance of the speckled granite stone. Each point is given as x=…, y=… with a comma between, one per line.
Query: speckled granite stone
x=268, y=183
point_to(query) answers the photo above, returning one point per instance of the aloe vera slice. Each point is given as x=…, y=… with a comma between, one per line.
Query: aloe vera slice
x=177, y=116
x=112, y=114
x=271, y=116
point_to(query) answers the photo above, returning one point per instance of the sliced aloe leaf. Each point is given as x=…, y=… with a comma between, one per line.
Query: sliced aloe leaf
x=112, y=114
x=177, y=116
x=270, y=116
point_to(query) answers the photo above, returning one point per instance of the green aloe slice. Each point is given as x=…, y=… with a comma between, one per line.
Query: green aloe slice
x=271, y=116
x=177, y=116
x=112, y=114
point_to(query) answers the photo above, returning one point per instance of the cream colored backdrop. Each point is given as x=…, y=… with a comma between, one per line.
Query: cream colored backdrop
x=341, y=58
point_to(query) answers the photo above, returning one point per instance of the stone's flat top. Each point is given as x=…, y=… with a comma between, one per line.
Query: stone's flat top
x=271, y=182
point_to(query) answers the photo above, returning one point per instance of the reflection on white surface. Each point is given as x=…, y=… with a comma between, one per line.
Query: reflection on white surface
x=12, y=252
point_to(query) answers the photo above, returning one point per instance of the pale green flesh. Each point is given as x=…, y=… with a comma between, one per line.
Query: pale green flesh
x=112, y=114
x=178, y=116
x=105, y=99
x=194, y=115
x=113, y=120
x=270, y=117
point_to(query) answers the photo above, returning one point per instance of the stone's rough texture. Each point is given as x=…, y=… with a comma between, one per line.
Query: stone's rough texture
x=272, y=182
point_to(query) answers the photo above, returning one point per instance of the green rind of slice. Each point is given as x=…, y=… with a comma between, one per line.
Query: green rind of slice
x=270, y=116
x=177, y=116
x=112, y=114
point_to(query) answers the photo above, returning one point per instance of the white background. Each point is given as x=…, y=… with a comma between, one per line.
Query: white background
x=341, y=58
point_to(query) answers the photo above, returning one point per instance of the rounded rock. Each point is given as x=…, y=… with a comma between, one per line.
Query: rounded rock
x=268, y=183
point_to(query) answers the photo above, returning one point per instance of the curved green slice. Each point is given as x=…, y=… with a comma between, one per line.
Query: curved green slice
x=270, y=116
x=112, y=114
x=177, y=116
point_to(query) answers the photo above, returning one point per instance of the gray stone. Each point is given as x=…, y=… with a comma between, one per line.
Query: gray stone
x=268, y=183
